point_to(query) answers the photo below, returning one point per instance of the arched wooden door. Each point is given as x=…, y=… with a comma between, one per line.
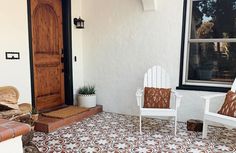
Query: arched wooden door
x=47, y=48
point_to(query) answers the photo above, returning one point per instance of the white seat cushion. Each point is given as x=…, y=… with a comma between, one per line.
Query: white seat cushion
x=157, y=112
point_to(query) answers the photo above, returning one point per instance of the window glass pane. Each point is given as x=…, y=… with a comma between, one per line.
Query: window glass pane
x=212, y=61
x=213, y=19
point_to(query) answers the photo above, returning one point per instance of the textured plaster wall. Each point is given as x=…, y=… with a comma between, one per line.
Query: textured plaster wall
x=14, y=37
x=121, y=42
x=77, y=48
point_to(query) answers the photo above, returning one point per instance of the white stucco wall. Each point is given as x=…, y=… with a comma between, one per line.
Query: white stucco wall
x=121, y=42
x=77, y=48
x=14, y=37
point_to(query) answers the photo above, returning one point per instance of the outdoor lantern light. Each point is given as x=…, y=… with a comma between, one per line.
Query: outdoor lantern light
x=79, y=23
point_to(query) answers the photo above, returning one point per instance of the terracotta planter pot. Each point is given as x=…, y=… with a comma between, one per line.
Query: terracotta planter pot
x=86, y=100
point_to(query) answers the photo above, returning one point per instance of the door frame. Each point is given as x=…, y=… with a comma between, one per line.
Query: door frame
x=67, y=43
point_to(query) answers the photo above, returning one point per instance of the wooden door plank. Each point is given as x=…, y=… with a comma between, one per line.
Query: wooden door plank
x=47, y=45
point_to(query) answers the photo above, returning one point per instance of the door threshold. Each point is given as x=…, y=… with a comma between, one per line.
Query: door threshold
x=53, y=109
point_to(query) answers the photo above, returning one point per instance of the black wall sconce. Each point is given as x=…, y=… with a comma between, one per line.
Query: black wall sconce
x=79, y=23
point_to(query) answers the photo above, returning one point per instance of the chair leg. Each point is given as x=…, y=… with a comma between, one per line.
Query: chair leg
x=204, y=132
x=140, y=124
x=175, y=125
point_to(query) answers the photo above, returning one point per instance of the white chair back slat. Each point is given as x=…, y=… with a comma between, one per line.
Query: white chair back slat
x=149, y=78
x=167, y=81
x=156, y=77
x=159, y=76
x=233, y=88
x=145, y=80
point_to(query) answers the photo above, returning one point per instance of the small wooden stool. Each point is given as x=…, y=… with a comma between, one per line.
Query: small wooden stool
x=194, y=125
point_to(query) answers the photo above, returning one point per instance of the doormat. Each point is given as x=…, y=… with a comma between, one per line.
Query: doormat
x=65, y=112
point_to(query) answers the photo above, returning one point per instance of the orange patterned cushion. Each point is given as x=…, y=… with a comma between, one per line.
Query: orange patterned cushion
x=229, y=106
x=157, y=97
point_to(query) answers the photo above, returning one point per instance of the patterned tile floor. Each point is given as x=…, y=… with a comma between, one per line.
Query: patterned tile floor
x=109, y=132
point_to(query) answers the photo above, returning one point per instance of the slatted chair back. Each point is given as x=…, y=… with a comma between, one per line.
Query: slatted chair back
x=233, y=87
x=156, y=77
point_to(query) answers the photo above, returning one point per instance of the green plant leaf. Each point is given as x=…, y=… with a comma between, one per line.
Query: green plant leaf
x=87, y=90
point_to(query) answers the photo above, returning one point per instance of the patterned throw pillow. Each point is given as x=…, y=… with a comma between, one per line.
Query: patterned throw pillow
x=157, y=97
x=229, y=106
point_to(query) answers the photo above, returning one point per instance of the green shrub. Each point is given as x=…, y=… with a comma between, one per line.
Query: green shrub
x=87, y=90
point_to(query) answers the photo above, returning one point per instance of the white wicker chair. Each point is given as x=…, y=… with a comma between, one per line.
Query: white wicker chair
x=158, y=78
x=209, y=116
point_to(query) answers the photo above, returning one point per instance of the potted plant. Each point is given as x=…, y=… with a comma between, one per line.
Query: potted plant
x=86, y=96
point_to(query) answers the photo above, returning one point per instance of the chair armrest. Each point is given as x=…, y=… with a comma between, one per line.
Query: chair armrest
x=176, y=94
x=139, y=94
x=178, y=98
x=208, y=98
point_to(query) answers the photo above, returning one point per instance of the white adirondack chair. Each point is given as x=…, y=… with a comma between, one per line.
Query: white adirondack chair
x=158, y=78
x=229, y=122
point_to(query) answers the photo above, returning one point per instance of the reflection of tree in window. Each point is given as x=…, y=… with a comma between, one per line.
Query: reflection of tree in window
x=220, y=12
x=205, y=30
x=213, y=19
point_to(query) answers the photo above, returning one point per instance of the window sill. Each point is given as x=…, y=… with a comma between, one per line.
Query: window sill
x=202, y=88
